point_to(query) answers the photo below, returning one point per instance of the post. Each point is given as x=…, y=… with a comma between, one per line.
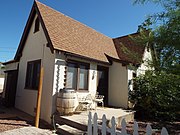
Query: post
x=38, y=104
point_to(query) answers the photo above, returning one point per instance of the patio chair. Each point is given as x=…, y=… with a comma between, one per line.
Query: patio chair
x=99, y=99
x=87, y=102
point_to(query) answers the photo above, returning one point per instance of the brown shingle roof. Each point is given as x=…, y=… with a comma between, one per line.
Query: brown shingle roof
x=128, y=49
x=69, y=35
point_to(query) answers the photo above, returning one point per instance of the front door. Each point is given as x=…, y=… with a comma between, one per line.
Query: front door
x=10, y=92
x=102, y=82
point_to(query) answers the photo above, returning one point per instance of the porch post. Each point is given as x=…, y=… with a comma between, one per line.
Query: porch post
x=38, y=104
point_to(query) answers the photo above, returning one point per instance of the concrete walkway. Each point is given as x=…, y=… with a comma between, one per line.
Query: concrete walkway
x=27, y=131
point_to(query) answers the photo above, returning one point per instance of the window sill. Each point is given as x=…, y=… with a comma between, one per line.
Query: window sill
x=82, y=91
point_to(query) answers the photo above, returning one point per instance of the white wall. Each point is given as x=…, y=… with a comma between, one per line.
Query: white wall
x=58, y=80
x=118, y=85
x=34, y=49
x=130, y=77
x=59, y=72
x=118, y=81
x=145, y=65
x=142, y=68
x=11, y=66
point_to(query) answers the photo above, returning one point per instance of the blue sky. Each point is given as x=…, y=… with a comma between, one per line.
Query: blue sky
x=113, y=18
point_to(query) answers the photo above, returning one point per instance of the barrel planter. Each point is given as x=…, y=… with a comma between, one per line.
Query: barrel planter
x=66, y=101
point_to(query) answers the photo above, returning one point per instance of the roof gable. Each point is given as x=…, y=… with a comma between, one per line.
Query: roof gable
x=74, y=37
x=66, y=34
x=33, y=12
x=128, y=50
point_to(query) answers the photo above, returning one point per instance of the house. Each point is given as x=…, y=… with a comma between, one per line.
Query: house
x=73, y=55
x=1, y=77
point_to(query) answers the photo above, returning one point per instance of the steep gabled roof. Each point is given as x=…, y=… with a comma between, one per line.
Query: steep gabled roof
x=128, y=49
x=68, y=35
x=72, y=36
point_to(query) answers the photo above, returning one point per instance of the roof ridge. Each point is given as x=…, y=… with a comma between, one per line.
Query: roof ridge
x=36, y=1
x=132, y=34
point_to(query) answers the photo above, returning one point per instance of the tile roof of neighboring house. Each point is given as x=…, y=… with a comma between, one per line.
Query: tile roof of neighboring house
x=71, y=36
x=129, y=50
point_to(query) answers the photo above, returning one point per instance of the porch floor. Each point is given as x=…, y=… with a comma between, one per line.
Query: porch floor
x=118, y=113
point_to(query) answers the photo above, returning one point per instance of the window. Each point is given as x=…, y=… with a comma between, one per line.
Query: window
x=83, y=77
x=77, y=76
x=71, y=76
x=33, y=74
x=36, y=27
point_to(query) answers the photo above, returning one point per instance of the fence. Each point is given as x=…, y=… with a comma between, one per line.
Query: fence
x=94, y=128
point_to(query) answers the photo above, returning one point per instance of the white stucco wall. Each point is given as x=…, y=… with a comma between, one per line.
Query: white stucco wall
x=34, y=49
x=11, y=66
x=118, y=85
x=145, y=65
x=130, y=77
x=59, y=76
x=142, y=68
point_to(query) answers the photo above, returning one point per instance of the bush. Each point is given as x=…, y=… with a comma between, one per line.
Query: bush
x=157, y=95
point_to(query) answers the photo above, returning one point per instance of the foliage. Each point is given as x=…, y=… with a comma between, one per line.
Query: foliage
x=157, y=95
x=164, y=35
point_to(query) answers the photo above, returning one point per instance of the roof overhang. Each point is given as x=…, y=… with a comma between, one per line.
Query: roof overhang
x=83, y=57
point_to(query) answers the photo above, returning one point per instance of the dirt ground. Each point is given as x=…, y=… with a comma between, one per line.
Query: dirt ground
x=12, y=123
x=11, y=118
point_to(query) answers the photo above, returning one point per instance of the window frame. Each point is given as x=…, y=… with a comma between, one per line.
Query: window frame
x=32, y=86
x=77, y=65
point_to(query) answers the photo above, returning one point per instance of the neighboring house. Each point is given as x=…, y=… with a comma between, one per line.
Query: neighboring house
x=73, y=56
x=1, y=77
x=136, y=56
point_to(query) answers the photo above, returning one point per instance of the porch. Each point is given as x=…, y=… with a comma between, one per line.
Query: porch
x=77, y=123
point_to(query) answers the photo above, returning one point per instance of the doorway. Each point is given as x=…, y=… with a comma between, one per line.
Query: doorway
x=102, y=82
x=10, y=91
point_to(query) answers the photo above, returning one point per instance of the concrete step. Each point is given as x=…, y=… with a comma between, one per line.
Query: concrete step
x=68, y=130
x=72, y=123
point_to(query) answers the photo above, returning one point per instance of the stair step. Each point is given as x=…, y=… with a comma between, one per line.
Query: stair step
x=67, y=130
x=74, y=124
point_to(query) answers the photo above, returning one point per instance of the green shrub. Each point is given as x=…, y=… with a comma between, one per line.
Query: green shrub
x=157, y=95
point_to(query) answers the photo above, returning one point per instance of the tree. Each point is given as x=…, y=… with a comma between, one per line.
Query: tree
x=157, y=92
x=157, y=96
x=164, y=35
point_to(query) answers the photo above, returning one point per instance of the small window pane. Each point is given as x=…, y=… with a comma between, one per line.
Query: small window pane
x=29, y=76
x=71, y=76
x=83, y=78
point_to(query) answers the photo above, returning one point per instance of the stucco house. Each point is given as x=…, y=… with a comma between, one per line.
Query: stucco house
x=73, y=56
